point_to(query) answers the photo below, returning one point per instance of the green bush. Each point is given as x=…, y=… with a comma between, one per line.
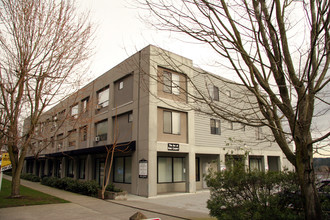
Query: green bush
x=88, y=188
x=112, y=188
x=30, y=177
x=239, y=194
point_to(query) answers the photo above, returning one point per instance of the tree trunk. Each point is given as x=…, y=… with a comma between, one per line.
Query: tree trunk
x=15, y=184
x=308, y=189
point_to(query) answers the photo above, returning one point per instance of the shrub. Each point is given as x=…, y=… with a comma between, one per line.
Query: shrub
x=239, y=194
x=88, y=188
x=30, y=177
x=112, y=188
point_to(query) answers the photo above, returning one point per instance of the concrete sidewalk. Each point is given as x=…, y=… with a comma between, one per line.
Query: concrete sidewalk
x=174, y=206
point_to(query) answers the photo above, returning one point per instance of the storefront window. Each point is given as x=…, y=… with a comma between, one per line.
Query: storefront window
x=122, y=169
x=171, y=169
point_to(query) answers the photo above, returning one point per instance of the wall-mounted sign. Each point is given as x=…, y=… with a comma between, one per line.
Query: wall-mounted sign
x=173, y=147
x=143, y=168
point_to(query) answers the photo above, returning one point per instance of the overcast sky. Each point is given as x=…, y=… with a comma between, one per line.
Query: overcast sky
x=121, y=32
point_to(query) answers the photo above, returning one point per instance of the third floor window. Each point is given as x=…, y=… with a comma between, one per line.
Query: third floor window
x=171, y=83
x=103, y=97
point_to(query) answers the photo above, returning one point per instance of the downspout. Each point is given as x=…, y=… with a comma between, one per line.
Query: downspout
x=138, y=122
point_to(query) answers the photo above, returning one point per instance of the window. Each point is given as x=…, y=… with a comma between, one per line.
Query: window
x=102, y=130
x=83, y=133
x=72, y=138
x=122, y=169
x=214, y=92
x=99, y=171
x=171, y=169
x=69, y=170
x=234, y=160
x=215, y=126
x=259, y=134
x=171, y=83
x=54, y=122
x=59, y=141
x=172, y=122
x=84, y=104
x=130, y=117
x=74, y=111
x=255, y=163
x=58, y=168
x=121, y=85
x=103, y=97
x=198, y=177
x=82, y=163
x=52, y=142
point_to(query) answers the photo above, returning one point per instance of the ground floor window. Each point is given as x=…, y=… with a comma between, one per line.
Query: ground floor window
x=50, y=167
x=122, y=170
x=99, y=170
x=29, y=166
x=255, y=163
x=234, y=160
x=81, y=168
x=273, y=163
x=198, y=178
x=70, y=166
x=58, y=168
x=171, y=169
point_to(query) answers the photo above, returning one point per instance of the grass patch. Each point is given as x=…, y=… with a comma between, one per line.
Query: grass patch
x=28, y=197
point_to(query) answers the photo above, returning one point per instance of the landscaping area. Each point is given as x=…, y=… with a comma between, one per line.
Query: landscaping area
x=29, y=197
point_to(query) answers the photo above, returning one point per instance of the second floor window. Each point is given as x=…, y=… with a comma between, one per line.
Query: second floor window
x=214, y=92
x=172, y=122
x=59, y=141
x=171, y=83
x=101, y=131
x=215, y=126
x=83, y=133
x=74, y=111
x=103, y=97
x=84, y=104
x=72, y=138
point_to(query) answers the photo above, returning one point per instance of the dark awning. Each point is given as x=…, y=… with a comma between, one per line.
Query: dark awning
x=121, y=147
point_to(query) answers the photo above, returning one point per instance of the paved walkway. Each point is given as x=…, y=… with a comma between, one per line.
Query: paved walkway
x=170, y=206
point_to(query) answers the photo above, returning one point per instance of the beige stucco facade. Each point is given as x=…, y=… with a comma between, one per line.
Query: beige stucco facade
x=128, y=107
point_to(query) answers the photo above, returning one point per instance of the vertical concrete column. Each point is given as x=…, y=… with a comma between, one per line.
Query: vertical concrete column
x=266, y=163
x=222, y=162
x=191, y=177
x=152, y=174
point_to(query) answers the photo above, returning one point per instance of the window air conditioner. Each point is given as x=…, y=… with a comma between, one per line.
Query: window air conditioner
x=98, y=107
x=97, y=138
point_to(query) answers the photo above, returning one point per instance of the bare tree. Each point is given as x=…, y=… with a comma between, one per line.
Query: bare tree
x=280, y=52
x=43, y=43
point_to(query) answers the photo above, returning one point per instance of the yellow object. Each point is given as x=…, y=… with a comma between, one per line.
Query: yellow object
x=5, y=160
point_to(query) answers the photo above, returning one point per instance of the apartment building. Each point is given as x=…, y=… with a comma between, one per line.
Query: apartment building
x=162, y=144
